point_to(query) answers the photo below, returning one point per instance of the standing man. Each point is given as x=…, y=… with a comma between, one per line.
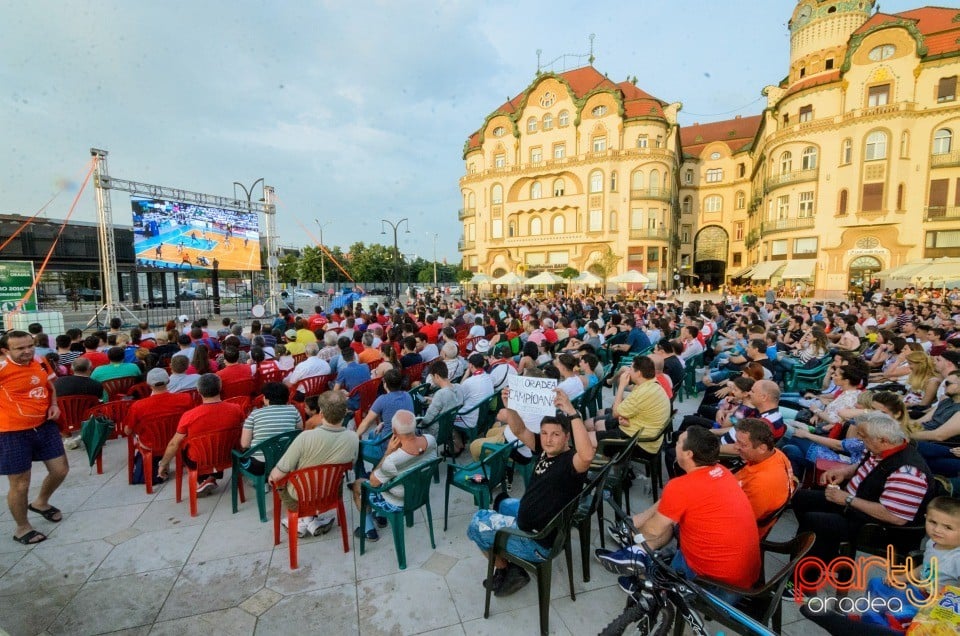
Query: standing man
x=28, y=433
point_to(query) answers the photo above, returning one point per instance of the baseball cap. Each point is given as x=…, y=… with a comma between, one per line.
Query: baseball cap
x=291, y=334
x=482, y=346
x=157, y=377
x=183, y=318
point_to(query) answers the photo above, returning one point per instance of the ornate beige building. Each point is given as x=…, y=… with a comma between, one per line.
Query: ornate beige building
x=850, y=169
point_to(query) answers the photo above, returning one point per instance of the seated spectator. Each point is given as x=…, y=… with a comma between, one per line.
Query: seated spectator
x=275, y=417
x=644, y=411
x=233, y=370
x=201, y=362
x=940, y=433
x=311, y=367
x=475, y=387
x=350, y=375
x=329, y=442
x=405, y=449
x=80, y=383
x=767, y=479
x=381, y=413
x=117, y=368
x=91, y=346
x=445, y=398
x=180, y=380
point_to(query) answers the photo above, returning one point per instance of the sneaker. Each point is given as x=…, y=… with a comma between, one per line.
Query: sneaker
x=621, y=534
x=72, y=443
x=629, y=560
x=629, y=584
x=206, y=487
x=513, y=581
x=371, y=535
x=790, y=592
x=317, y=527
x=301, y=526
x=381, y=522
x=498, y=576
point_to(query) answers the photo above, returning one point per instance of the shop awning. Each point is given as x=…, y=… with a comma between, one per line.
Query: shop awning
x=766, y=270
x=799, y=269
x=905, y=270
x=743, y=272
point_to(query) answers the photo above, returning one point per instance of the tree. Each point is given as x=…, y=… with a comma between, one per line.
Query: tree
x=569, y=273
x=605, y=266
x=287, y=269
x=372, y=263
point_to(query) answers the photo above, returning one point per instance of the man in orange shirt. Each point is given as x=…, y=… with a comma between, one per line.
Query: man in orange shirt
x=28, y=433
x=767, y=479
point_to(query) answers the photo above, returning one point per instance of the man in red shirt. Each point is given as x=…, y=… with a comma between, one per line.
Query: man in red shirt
x=28, y=433
x=317, y=320
x=159, y=403
x=431, y=329
x=233, y=371
x=91, y=346
x=211, y=416
x=712, y=514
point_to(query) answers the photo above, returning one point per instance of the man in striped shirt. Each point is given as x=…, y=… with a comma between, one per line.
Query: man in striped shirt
x=891, y=486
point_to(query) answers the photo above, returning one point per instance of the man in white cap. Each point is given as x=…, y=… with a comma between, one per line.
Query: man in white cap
x=293, y=347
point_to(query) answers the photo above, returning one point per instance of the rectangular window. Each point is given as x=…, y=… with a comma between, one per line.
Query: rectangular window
x=472, y=168
x=599, y=144
x=536, y=258
x=688, y=177
x=947, y=89
x=938, y=193
x=559, y=151
x=685, y=260
x=685, y=233
x=557, y=258
x=806, y=113
x=714, y=175
x=636, y=219
x=950, y=238
x=496, y=229
x=596, y=221
x=536, y=155
x=737, y=259
x=635, y=258
x=472, y=232
x=786, y=119
x=878, y=95
x=659, y=143
x=499, y=161
x=806, y=205
x=738, y=231
x=956, y=195
x=872, y=197
x=805, y=245
x=741, y=170
x=652, y=221
x=828, y=65
x=653, y=254
x=642, y=141
x=783, y=206
x=778, y=248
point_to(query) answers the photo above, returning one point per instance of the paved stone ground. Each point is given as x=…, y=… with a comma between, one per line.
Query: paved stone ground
x=126, y=562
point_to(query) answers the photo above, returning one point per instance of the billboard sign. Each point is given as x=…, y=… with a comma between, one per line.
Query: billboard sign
x=16, y=279
x=184, y=236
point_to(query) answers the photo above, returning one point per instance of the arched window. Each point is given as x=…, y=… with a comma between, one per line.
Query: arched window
x=942, y=141
x=713, y=203
x=559, y=187
x=687, y=204
x=548, y=121
x=846, y=151
x=563, y=119
x=536, y=227
x=532, y=125
x=808, y=161
x=536, y=190
x=596, y=181
x=876, y=146
x=786, y=162
x=496, y=194
x=654, y=181
x=636, y=180
x=842, y=205
x=741, y=200
x=559, y=224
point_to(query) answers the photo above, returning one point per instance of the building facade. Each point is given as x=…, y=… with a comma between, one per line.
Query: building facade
x=850, y=169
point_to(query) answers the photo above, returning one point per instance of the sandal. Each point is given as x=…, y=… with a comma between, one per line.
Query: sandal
x=47, y=514
x=28, y=539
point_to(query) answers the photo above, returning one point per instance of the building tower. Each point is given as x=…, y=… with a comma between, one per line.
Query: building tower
x=819, y=33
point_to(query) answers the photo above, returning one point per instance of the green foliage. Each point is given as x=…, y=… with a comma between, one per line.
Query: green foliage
x=569, y=273
x=372, y=263
x=606, y=265
x=287, y=269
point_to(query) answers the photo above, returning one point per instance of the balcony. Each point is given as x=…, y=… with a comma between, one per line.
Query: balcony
x=660, y=194
x=945, y=160
x=465, y=245
x=661, y=234
x=787, y=178
x=786, y=225
x=939, y=213
x=466, y=213
x=541, y=239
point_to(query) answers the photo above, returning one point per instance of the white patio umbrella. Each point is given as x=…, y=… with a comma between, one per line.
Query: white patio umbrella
x=479, y=279
x=545, y=278
x=630, y=277
x=508, y=279
x=588, y=278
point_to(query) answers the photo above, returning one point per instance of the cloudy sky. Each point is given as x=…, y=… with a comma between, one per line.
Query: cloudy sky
x=353, y=111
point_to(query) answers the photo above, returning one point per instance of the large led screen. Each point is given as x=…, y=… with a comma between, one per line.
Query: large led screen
x=174, y=235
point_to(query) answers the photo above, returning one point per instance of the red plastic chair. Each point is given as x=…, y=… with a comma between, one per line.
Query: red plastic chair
x=238, y=388
x=151, y=436
x=314, y=385
x=115, y=412
x=117, y=388
x=368, y=394
x=197, y=400
x=73, y=409
x=318, y=490
x=298, y=358
x=258, y=402
x=413, y=374
x=209, y=453
x=272, y=374
x=139, y=391
x=243, y=401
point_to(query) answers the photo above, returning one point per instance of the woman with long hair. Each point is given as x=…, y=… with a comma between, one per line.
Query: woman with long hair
x=389, y=361
x=201, y=362
x=922, y=382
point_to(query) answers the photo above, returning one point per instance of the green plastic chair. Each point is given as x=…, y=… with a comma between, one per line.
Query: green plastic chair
x=800, y=379
x=558, y=534
x=371, y=450
x=689, y=385
x=273, y=449
x=485, y=418
x=416, y=494
x=417, y=394
x=493, y=467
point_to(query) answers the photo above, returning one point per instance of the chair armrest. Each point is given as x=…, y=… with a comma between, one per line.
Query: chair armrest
x=453, y=469
x=777, y=547
x=503, y=535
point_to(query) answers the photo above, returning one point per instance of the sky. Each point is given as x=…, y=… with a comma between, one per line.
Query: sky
x=354, y=112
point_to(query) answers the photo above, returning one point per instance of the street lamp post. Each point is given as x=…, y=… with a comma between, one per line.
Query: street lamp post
x=396, y=250
x=323, y=273
x=435, y=235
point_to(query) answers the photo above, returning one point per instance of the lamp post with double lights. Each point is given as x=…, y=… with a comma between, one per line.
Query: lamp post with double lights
x=323, y=274
x=396, y=250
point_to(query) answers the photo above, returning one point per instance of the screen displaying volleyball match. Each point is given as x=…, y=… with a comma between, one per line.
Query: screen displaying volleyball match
x=176, y=235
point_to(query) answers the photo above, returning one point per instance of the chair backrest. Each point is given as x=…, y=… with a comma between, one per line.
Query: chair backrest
x=272, y=374
x=298, y=358
x=559, y=528
x=243, y=401
x=273, y=448
x=139, y=391
x=368, y=395
x=237, y=388
x=212, y=450
x=416, y=483
x=155, y=432
x=445, y=422
x=73, y=410
x=413, y=373
x=515, y=345
x=118, y=387
x=113, y=411
x=318, y=487
x=195, y=396
x=314, y=385
x=493, y=462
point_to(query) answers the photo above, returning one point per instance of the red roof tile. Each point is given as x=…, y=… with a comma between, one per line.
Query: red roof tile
x=736, y=133
x=816, y=80
x=936, y=24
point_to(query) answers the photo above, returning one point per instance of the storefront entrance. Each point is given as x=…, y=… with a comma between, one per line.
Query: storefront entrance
x=862, y=269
